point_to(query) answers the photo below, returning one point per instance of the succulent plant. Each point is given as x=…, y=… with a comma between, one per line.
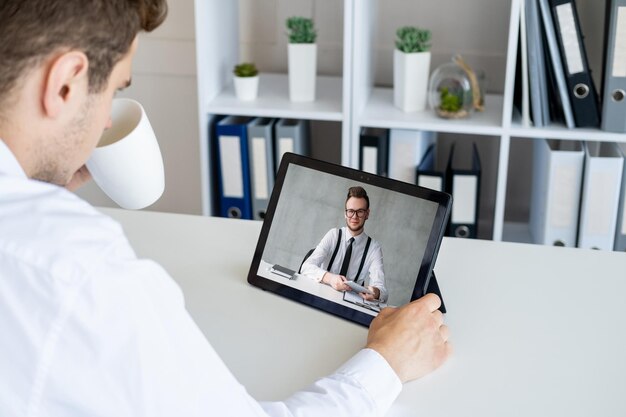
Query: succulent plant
x=301, y=30
x=245, y=69
x=413, y=39
x=450, y=102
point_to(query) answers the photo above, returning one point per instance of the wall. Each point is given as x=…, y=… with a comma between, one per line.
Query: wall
x=312, y=203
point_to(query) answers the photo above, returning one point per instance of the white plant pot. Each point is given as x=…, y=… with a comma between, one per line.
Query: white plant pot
x=302, y=71
x=410, y=80
x=246, y=88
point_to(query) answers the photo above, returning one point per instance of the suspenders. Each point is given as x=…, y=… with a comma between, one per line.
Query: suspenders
x=367, y=247
x=332, y=258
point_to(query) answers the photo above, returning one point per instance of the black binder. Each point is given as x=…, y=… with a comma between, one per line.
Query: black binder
x=427, y=175
x=581, y=89
x=463, y=183
x=374, y=151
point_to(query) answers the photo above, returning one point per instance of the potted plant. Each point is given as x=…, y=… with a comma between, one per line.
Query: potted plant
x=246, y=81
x=302, y=57
x=411, y=66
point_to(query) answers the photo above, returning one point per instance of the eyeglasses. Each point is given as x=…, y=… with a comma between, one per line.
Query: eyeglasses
x=359, y=213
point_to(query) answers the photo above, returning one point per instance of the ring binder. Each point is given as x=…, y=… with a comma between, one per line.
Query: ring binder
x=580, y=87
x=233, y=171
x=261, y=152
x=614, y=81
x=556, y=188
x=557, y=66
x=463, y=182
x=600, y=197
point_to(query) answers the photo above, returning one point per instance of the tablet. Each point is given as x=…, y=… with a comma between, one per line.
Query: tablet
x=317, y=207
x=358, y=288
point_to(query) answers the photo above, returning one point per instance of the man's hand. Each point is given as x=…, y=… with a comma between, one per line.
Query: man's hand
x=80, y=178
x=413, y=338
x=335, y=281
x=371, y=297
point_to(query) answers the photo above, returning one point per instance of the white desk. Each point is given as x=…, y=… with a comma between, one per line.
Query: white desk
x=310, y=286
x=537, y=331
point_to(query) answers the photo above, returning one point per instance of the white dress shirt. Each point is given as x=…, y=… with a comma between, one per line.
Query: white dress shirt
x=88, y=329
x=372, y=273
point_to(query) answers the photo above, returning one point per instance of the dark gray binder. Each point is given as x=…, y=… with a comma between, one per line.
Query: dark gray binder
x=540, y=108
x=614, y=82
x=261, y=158
x=291, y=135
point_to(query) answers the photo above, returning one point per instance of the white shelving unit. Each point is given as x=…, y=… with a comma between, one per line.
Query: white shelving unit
x=217, y=46
x=353, y=99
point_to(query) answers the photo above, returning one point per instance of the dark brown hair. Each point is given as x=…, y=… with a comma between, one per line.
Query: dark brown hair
x=358, y=192
x=31, y=30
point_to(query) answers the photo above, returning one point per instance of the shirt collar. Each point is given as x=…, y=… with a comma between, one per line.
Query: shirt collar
x=8, y=163
x=357, y=239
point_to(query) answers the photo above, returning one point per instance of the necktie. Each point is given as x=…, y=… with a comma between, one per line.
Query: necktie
x=346, y=258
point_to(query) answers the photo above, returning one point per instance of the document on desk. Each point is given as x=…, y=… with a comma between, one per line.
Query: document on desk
x=355, y=298
x=282, y=271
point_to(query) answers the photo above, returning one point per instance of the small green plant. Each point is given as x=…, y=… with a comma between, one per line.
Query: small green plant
x=301, y=30
x=450, y=102
x=246, y=69
x=412, y=39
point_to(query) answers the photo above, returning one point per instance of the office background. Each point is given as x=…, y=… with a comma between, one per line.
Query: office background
x=164, y=77
x=312, y=203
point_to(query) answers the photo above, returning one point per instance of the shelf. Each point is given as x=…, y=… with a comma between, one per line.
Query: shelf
x=380, y=112
x=559, y=131
x=273, y=100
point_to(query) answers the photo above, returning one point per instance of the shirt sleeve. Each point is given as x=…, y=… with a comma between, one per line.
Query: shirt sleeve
x=137, y=352
x=377, y=274
x=312, y=267
x=364, y=386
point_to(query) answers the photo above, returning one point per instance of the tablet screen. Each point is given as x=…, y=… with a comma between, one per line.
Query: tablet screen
x=347, y=242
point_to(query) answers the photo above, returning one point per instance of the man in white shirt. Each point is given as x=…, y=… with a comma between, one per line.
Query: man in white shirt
x=88, y=329
x=349, y=254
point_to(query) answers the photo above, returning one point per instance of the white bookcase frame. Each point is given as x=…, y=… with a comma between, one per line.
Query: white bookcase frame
x=353, y=100
x=217, y=46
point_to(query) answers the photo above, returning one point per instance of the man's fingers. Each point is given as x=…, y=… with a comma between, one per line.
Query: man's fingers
x=438, y=316
x=444, y=331
x=432, y=301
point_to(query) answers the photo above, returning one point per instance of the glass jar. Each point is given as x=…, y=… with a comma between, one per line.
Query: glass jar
x=450, y=92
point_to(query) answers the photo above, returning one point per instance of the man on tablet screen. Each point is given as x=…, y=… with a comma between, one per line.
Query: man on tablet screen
x=348, y=254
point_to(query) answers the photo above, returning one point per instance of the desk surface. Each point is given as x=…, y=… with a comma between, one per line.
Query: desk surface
x=537, y=331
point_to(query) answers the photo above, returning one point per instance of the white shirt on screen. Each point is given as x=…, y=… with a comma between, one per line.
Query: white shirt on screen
x=372, y=273
x=88, y=329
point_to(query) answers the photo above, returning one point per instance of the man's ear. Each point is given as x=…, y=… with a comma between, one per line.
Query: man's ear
x=66, y=78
